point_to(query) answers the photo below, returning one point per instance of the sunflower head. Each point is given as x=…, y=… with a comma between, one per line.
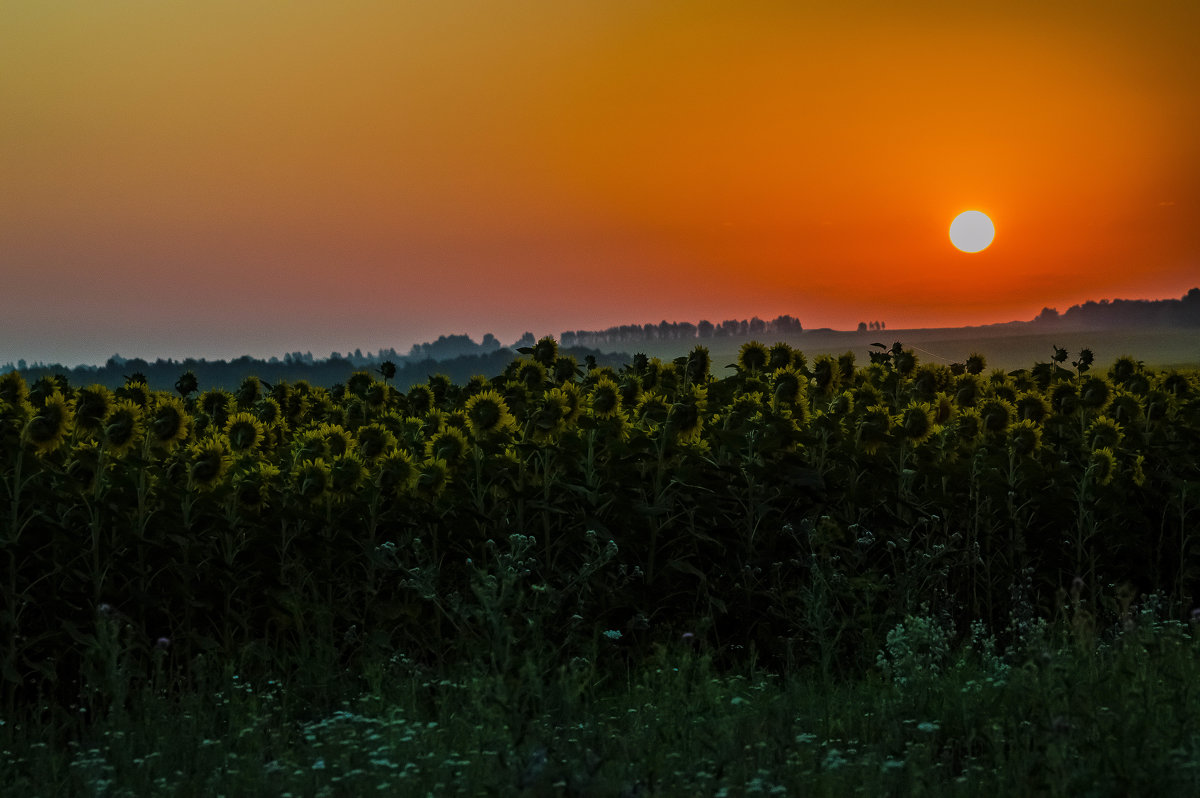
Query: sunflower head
x=244, y=432
x=252, y=487
x=969, y=427
x=374, y=440
x=995, y=415
x=532, y=374
x=651, y=410
x=874, y=428
x=92, y=405
x=545, y=351
x=249, y=392
x=187, y=384
x=123, y=428
x=566, y=368
x=449, y=445
x=1178, y=385
x=605, y=398
x=826, y=374
x=488, y=416
x=1024, y=438
x=967, y=390
x=1104, y=433
x=208, y=462
x=136, y=391
x=310, y=479
x=216, y=405
x=358, y=383
x=420, y=400
x=50, y=424
x=1064, y=399
x=1095, y=393
x=685, y=416
x=83, y=464
x=395, y=473
x=346, y=474
x=310, y=445
x=697, y=365
x=780, y=356
x=787, y=386
x=752, y=357
x=337, y=438
x=550, y=415
x=943, y=409
x=1102, y=465
x=1031, y=406
x=917, y=422
x=13, y=390
x=975, y=364
x=433, y=475
x=169, y=423
x=1125, y=408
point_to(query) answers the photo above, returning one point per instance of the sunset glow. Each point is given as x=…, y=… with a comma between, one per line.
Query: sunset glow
x=224, y=178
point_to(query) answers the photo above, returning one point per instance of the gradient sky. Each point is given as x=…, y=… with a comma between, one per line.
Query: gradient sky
x=223, y=178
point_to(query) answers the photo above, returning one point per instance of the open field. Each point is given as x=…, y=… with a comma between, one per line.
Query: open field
x=806, y=576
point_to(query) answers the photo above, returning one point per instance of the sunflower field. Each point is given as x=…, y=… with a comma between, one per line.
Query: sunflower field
x=792, y=512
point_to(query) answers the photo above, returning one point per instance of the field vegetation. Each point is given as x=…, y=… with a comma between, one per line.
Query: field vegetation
x=814, y=575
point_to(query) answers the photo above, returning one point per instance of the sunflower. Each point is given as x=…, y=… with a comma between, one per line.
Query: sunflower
x=780, y=356
x=374, y=440
x=310, y=479
x=874, y=428
x=1024, y=438
x=1064, y=399
x=346, y=473
x=550, y=416
x=1125, y=408
x=420, y=400
x=50, y=425
x=1102, y=465
x=310, y=445
x=826, y=374
x=545, y=351
x=245, y=432
x=248, y=392
x=787, y=386
x=969, y=427
x=651, y=410
x=686, y=416
x=532, y=375
x=1104, y=433
x=488, y=416
x=395, y=473
x=966, y=390
x=917, y=423
x=574, y=400
x=566, y=368
x=1094, y=393
x=697, y=365
x=83, y=464
x=136, y=391
x=337, y=438
x=252, y=486
x=752, y=357
x=943, y=409
x=605, y=399
x=976, y=363
x=92, y=405
x=208, y=460
x=1137, y=471
x=996, y=415
x=216, y=405
x=449, y=445
x=13, y=390
x=169, y=424
x=1031, y=406
x=433, y=476
x=123, y=428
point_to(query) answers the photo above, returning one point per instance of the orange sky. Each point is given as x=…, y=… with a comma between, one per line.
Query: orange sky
x=221, y=178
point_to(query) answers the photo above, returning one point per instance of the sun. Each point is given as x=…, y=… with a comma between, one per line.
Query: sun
x=972, y=231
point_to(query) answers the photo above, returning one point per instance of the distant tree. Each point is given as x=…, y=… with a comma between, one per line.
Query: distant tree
x=704, y=329
x=862, y=326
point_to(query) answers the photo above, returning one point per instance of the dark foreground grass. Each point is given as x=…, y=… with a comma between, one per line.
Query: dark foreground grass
x=1062, y=711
